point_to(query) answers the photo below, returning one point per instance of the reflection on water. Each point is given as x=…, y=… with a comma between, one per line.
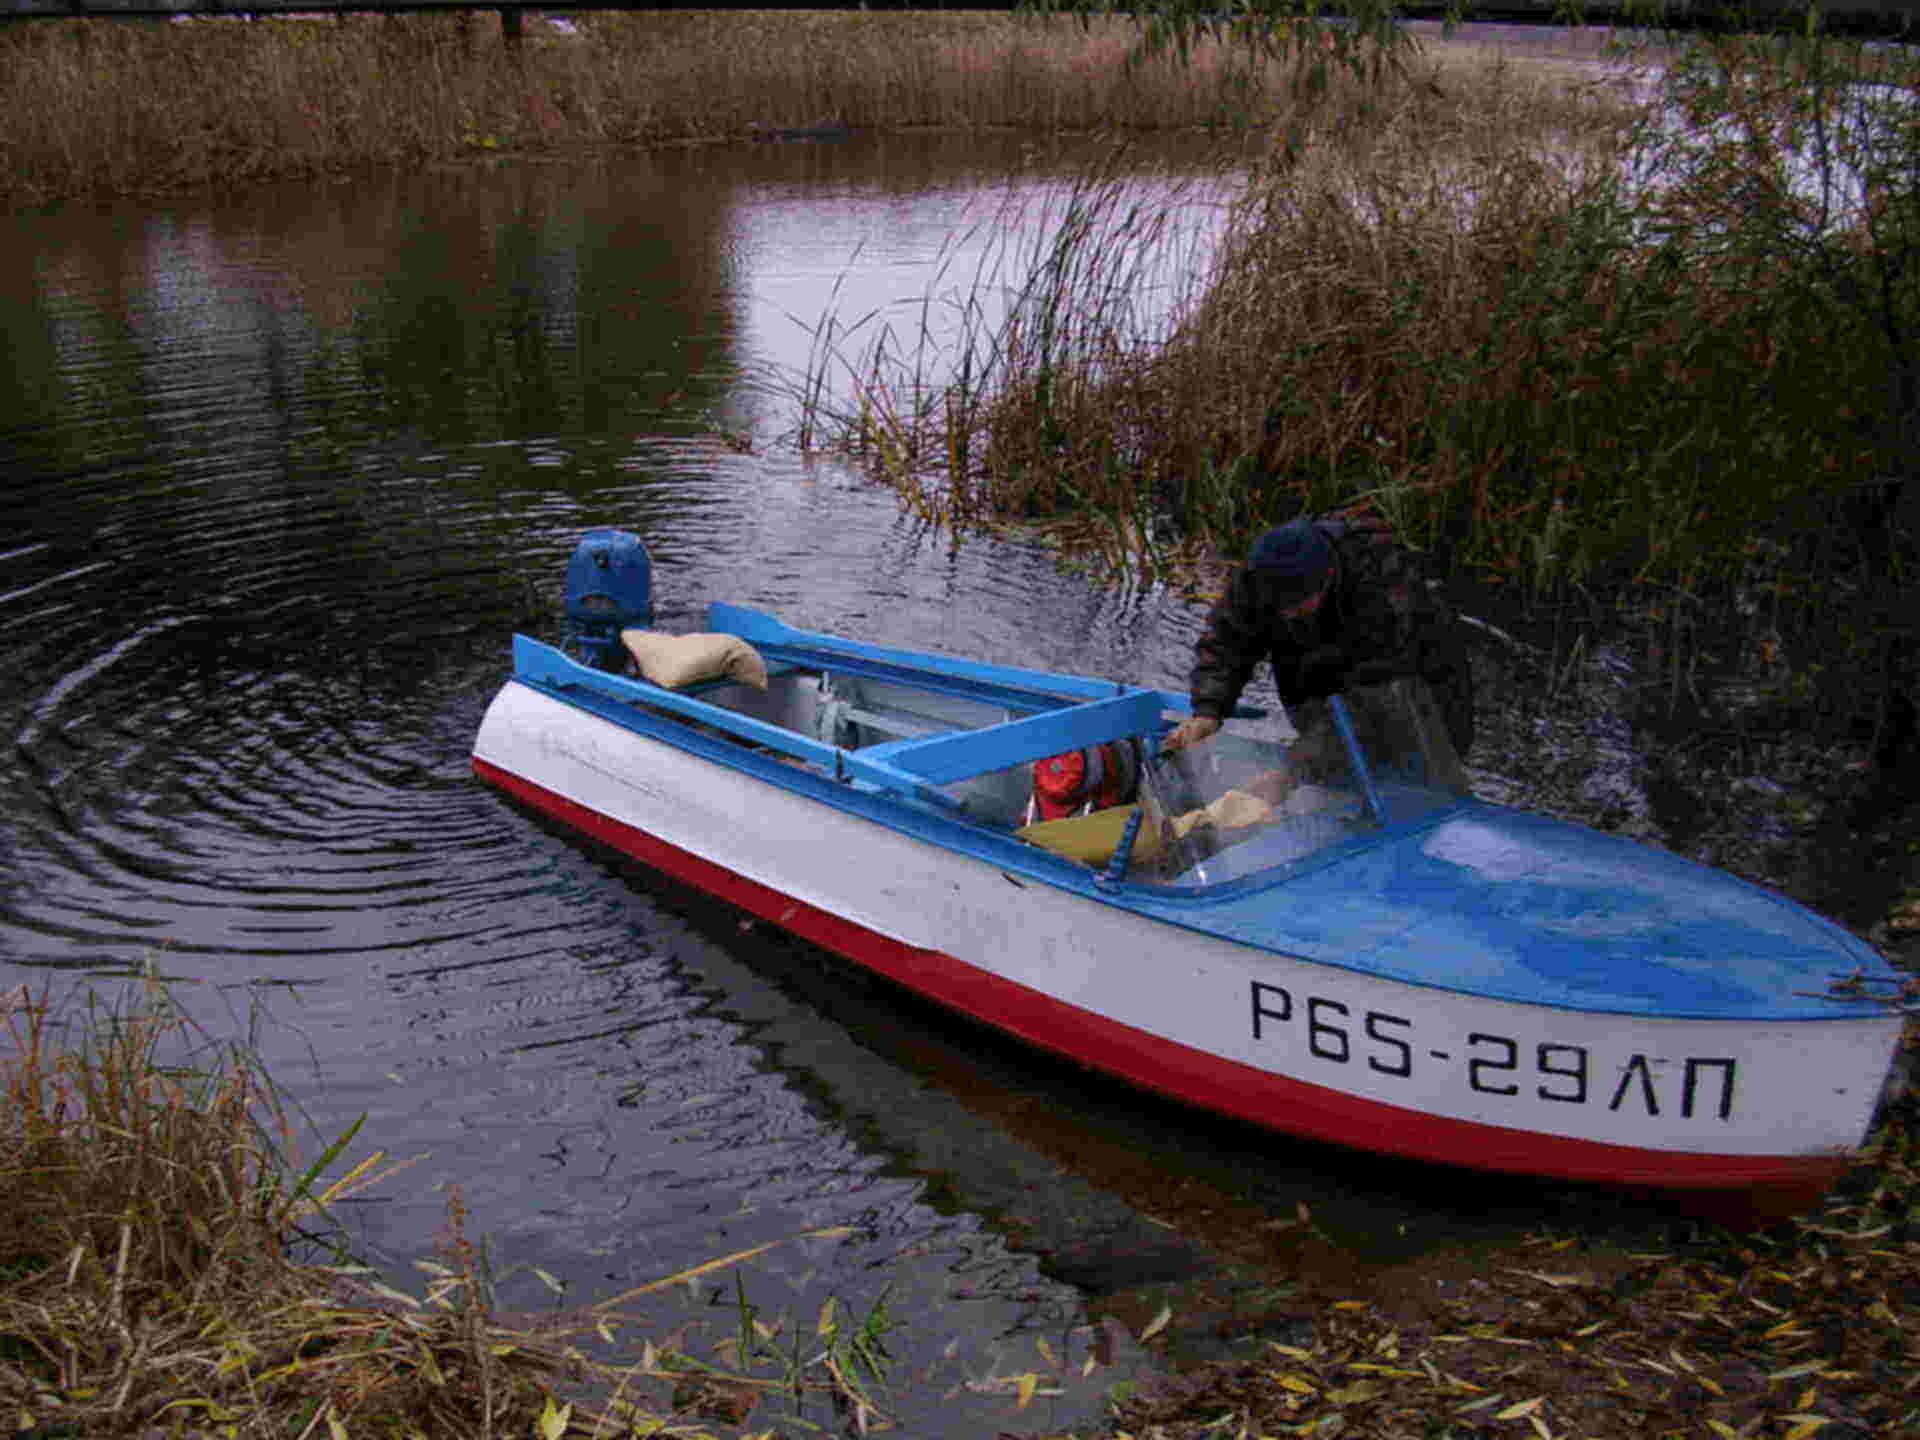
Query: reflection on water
x=284, y=475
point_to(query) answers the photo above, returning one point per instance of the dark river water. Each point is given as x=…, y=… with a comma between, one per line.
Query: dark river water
x=284, y=473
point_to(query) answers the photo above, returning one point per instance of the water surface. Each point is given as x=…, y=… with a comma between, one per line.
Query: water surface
x=284, y=474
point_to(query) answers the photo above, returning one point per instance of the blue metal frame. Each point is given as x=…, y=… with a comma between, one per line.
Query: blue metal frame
x=1358, y=755
x=912, y=766
x=1000, y=684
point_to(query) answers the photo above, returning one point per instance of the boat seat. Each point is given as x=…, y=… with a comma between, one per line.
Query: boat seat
x=875, y=717
x=887, y=722
x=1092, y=839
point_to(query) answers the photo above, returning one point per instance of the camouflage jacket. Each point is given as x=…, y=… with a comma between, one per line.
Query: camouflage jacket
x=1380, y=618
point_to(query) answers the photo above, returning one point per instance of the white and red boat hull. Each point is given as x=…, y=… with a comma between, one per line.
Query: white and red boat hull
x=1765, y=1114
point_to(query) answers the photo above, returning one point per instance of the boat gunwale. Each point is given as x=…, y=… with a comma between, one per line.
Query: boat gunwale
x=765, y=631
x=881, y=792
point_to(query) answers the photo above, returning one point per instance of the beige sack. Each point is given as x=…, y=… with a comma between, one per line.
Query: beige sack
x=673, y=661
x=1232, y=811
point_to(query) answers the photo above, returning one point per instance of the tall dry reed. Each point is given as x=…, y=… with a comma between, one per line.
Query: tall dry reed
x=136, y=107
x=150, y=1210
x=1451, y=297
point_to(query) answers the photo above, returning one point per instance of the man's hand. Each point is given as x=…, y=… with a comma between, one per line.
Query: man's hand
x=1272, y=786
x=1190, y=731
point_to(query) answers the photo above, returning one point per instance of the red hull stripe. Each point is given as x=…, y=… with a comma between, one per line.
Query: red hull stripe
x=1224, y=1086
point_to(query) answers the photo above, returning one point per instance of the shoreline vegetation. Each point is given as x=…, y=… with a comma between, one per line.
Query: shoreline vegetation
x=1601, y=361
x=1572, y=326
x=167, y=1270
x=222, y=102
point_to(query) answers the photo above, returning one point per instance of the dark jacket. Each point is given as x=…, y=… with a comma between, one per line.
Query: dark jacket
x=1380, y=619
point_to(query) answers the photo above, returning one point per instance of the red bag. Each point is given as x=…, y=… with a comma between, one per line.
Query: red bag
x=1082, y=781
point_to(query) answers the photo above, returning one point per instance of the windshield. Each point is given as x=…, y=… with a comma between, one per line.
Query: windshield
x=1235, y=805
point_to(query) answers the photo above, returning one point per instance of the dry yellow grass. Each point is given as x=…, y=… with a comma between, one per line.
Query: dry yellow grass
x=134, y=107
x=159, y=1274
x=1454, y=296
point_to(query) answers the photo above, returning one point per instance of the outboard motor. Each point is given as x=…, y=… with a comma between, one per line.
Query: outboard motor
x=609, y=589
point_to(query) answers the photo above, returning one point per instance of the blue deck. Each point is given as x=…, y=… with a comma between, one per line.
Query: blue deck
x=1515, y=906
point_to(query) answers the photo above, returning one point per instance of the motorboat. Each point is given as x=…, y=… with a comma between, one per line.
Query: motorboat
x=1326, y=934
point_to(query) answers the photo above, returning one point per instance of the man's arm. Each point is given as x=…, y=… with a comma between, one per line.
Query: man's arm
x=1224, y=658
x=1234, y=641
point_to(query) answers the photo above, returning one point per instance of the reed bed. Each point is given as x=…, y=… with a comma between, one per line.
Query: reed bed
x=166, y=1271
x=1458, y=298
x=135, y=107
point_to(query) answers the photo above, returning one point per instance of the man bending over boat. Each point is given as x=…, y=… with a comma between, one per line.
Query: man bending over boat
x=1330, y=602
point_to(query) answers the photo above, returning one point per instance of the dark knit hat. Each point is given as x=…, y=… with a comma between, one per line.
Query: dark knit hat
x=1296, y=554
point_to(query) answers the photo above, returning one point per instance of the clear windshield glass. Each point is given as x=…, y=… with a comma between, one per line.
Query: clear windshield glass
x=1234, y=805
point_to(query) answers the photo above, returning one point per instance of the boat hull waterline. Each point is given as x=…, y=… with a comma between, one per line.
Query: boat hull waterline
x=1147, y=987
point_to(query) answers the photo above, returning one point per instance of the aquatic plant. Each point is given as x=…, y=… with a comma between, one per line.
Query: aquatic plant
x=1371, y=271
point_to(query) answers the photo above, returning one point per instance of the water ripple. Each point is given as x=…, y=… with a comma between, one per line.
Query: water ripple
x=277, y=499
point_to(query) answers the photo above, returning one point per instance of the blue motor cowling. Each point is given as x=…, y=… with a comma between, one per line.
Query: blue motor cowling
x=609, y=589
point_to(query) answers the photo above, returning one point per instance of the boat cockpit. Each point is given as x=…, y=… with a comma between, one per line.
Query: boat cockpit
x=962, y=740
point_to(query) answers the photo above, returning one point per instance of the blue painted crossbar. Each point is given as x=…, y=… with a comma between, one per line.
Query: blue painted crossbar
x=959, y=754
x=1037, y=687
x=1007, y=685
